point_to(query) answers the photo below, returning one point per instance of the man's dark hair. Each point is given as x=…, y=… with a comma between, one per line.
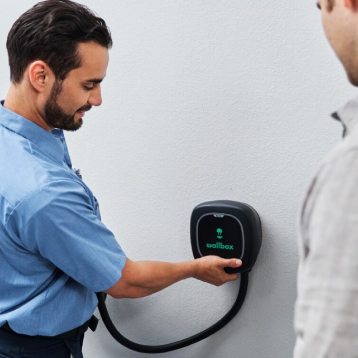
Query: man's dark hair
x=51, y=31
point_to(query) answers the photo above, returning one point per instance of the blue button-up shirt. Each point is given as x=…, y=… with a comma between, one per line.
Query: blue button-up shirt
x=54, y=250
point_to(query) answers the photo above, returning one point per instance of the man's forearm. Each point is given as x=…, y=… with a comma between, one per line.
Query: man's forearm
x=148, y=277
x=144, y=278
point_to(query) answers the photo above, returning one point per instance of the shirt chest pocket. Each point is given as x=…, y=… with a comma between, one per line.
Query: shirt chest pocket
x=94, y=200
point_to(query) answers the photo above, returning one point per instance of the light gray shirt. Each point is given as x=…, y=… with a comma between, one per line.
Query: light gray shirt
x=326, y=311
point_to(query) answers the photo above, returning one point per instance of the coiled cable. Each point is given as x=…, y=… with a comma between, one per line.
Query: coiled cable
x=179, y=344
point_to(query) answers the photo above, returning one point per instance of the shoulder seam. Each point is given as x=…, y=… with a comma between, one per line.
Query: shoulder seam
x=41, y=187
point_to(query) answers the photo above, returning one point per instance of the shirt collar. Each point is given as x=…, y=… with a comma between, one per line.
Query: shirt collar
x=348, y=115
x=50, y=143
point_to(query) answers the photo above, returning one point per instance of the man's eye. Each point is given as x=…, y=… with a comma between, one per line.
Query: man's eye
x=88, y=88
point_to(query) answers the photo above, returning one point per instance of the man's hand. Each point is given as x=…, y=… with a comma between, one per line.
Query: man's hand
x=210, y=269
x=144, y=278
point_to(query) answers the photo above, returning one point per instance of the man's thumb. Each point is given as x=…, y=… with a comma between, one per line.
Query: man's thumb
x=233, y=263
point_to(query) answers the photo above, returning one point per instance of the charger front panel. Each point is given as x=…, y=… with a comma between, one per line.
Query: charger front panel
x=221, y=235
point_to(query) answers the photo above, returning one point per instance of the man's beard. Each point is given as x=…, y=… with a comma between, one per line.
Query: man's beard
x=55, y=117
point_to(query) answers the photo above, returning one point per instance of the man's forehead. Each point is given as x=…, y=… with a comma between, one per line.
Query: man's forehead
x=94, y=62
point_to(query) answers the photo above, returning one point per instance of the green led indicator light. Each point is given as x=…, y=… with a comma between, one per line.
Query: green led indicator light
x=219, y=233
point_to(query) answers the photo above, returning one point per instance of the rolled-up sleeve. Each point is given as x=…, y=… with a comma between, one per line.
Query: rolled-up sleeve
x=326, y=315
x=58, y=221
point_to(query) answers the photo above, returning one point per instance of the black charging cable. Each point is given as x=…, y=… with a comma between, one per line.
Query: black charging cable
x=179, y=344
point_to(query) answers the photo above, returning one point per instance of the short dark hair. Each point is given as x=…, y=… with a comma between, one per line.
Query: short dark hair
x=51, y=31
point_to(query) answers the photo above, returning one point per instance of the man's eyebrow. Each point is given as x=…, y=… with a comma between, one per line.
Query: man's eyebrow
x=95, y=80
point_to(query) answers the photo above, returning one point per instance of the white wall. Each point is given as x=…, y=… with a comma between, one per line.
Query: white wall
x=206, y=100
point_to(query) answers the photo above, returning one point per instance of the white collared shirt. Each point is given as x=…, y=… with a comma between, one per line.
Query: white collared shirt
x=326, y=311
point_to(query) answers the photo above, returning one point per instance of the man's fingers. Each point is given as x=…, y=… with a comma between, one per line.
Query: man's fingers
x=232, y=263
x=233, y=276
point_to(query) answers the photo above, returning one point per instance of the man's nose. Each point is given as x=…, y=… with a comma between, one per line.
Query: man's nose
x=96, y=97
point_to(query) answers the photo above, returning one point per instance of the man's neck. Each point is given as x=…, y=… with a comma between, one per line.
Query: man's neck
x=19, y=103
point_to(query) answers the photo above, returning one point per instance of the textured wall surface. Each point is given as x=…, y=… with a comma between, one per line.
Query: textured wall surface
x=206, y=100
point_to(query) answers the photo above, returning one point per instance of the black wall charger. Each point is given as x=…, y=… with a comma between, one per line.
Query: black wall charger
x=224, y=228
x=228, y=229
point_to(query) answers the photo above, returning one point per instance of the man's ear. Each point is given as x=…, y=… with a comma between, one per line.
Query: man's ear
x=351, y=4
x=40, y=75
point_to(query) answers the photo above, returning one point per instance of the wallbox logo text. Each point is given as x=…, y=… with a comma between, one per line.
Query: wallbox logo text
x=220, y=246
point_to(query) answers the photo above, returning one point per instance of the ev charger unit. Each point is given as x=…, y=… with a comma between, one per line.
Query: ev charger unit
x=227, y=229
x=224, y=228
